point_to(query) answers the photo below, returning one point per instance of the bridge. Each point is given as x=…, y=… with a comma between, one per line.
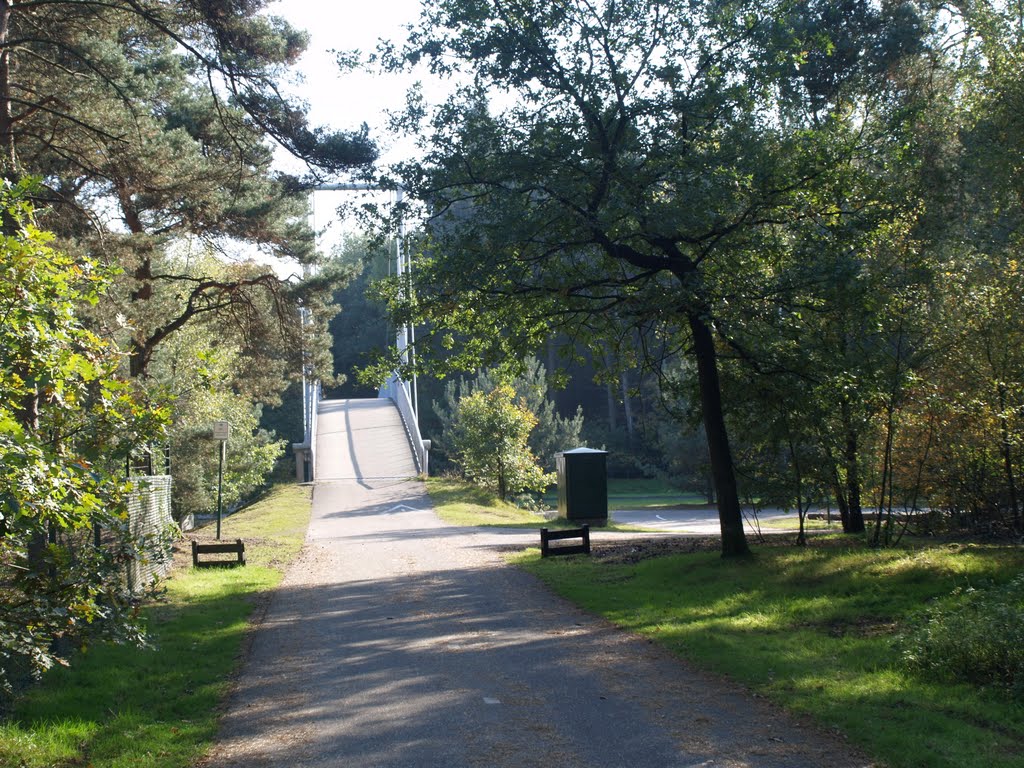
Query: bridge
x=382, y=434
x=368, y=438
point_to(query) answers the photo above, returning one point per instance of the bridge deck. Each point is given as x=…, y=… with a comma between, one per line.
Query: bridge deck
x=362, y=440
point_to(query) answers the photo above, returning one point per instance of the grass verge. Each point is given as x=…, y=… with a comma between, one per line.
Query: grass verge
x=816, y=630
x=461, y=503
x=643, y=493
x=792, y=523
x=650, y=493
x=119, y=706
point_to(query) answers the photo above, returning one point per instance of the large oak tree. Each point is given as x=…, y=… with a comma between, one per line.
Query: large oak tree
x=618, y=171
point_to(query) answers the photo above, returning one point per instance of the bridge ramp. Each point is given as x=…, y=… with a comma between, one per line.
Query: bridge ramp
x=362, y=439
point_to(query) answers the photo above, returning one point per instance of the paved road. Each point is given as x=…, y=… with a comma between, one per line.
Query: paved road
x=689, y=521
x=396, y=641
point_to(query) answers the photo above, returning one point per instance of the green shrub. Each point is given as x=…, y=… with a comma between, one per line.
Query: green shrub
x=489, y=440
x=977, y=636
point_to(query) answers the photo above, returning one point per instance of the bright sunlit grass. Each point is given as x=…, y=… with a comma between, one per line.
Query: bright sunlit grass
x=121, y=707
x=816, y=630
x=460, y=503
x=792, y=523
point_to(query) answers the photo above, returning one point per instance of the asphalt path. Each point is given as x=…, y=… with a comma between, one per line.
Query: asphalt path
x=693, y=521
x=396, y=640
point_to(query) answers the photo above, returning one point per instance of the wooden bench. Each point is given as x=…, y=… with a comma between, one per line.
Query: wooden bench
x=547, y=536
x=236, y=548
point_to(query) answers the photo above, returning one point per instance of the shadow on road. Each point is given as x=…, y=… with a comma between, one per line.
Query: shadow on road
x=479, y=667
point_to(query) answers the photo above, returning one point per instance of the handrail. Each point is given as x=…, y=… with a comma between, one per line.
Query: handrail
x=398, y=391
x=305, y=452
x=312, y=423
x=405, y=337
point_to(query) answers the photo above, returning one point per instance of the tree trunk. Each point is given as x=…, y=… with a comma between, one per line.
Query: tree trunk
x=798, y=477
x=613, y=421
x=837, y=489
x=854, y=522
x=844, y=509
x=138, y=359
x=1007, y=450
x=627, y=405
x=8, y=155
x=730, y=516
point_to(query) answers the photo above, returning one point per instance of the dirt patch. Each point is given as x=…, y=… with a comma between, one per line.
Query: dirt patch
x=181, y=552
x=635, y=550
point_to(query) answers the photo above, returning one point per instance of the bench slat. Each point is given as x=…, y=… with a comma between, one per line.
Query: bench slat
x=214, y=549
x=575, y=549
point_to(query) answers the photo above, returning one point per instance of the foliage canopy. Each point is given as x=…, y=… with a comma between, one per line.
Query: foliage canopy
x=65, y=418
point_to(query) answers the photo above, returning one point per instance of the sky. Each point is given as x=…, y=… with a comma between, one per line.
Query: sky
x=345, y=101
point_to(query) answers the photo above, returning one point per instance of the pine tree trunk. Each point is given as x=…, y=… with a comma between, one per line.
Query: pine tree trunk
x=7, y=148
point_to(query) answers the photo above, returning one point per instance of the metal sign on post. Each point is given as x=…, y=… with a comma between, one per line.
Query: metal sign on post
x=221, y=431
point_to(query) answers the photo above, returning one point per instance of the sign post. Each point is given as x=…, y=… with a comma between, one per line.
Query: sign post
x=221, y=432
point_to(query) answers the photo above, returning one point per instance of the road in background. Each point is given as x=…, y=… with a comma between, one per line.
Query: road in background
x=693, y=521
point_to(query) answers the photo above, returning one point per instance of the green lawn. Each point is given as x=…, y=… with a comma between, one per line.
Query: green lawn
x=460, y=503
x=649, y=493
x=816, y=630
x=157, y=707
x=792, y=523
x=641, y=493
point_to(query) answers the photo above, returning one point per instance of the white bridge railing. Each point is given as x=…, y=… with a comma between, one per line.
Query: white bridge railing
x=398, y=391
x=305, y=452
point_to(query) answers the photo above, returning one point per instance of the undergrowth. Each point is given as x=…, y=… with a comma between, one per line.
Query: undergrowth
x=973, y=636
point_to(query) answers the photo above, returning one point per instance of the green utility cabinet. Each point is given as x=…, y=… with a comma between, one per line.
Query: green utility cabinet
x=583, y=485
